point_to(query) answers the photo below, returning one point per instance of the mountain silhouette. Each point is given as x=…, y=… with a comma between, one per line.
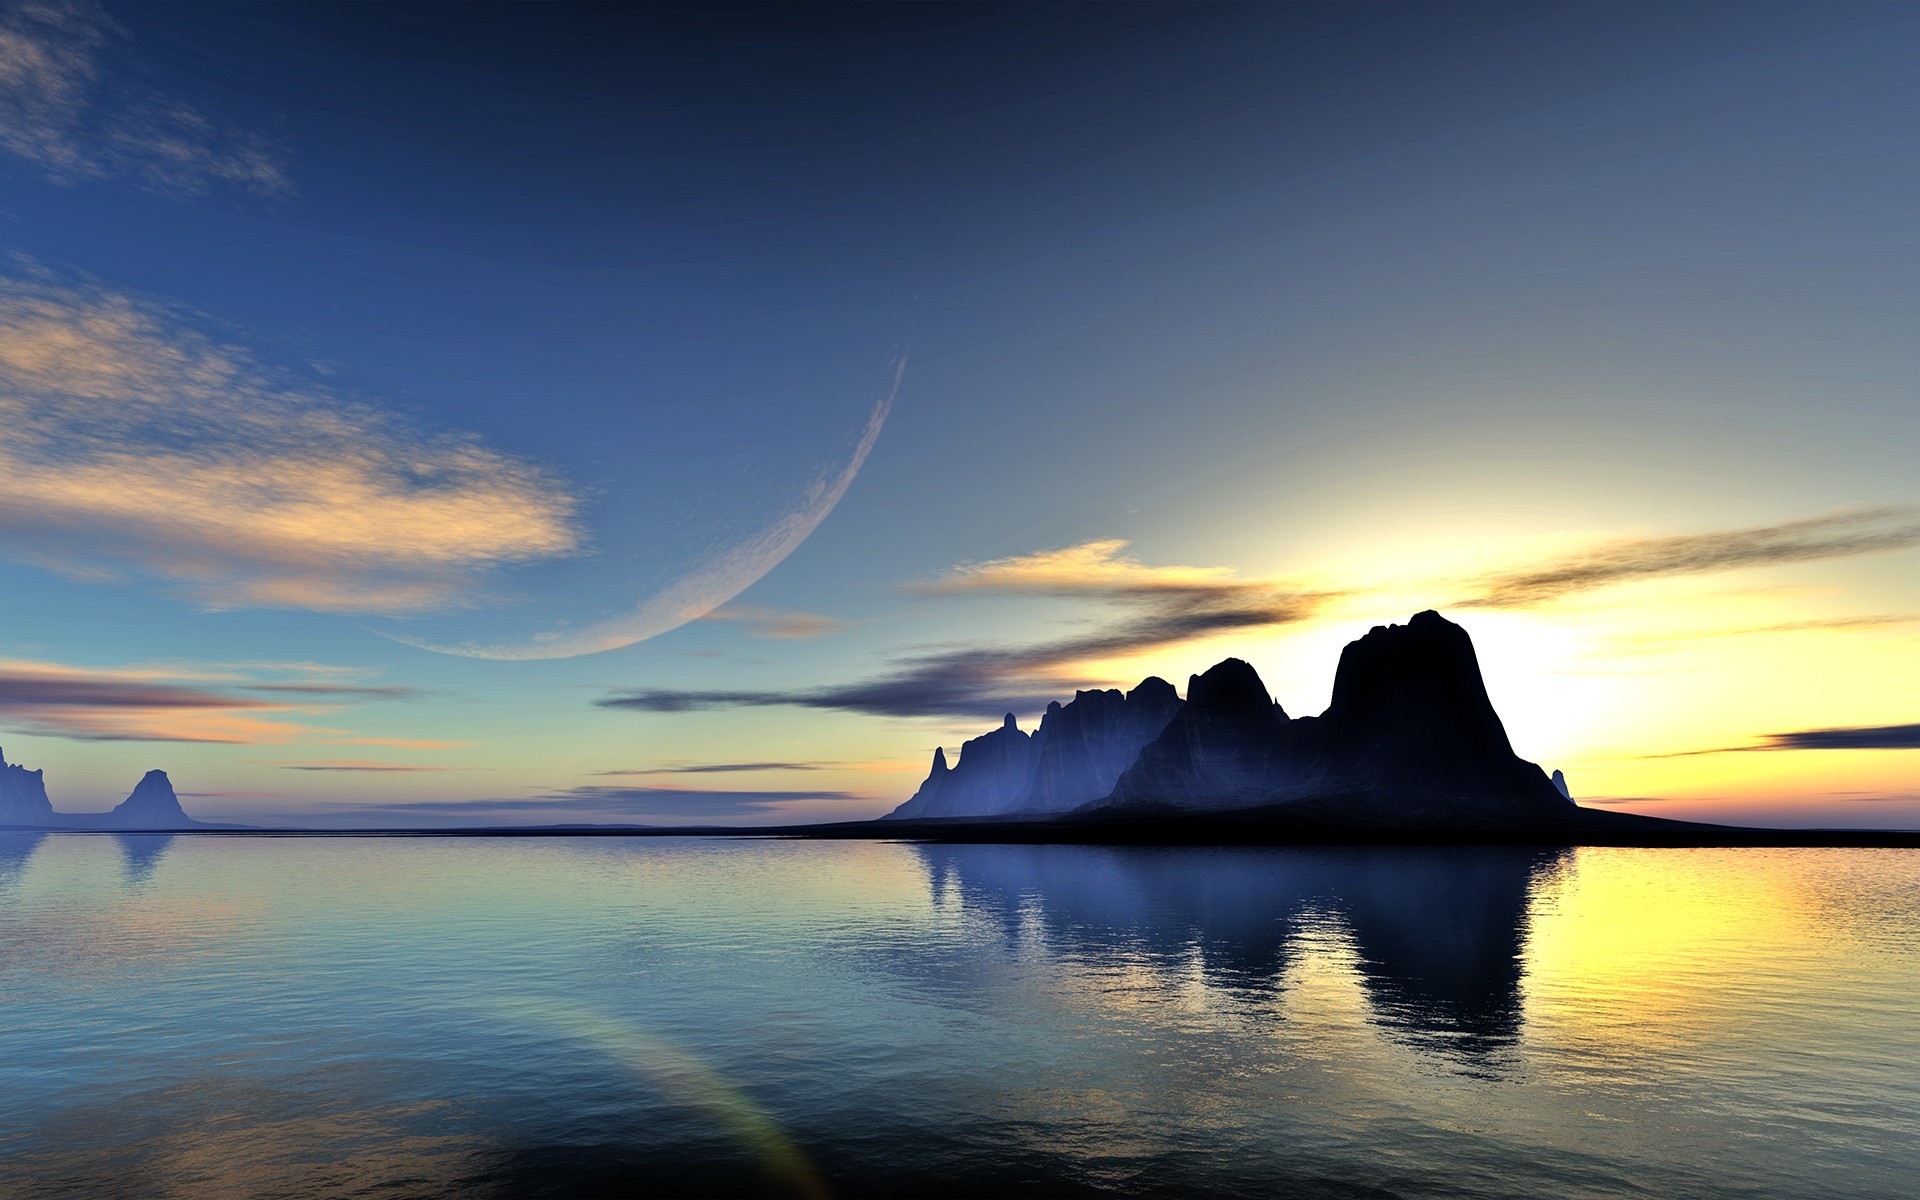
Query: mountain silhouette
x=23, y=796
x=1409, y=740
x=1075, y=756
x=1228, y=747
x=151, y=805
x=1439, y=933
x=1082, y=747
x=992, y=773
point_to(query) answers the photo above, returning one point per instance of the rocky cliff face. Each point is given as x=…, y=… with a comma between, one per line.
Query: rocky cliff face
x=1410, y=739
x=23, y=796
x=991, y=774
x=152, y=805
x=1075, y=756
x=1227, y=747
x=1082, y=747
x=1411, y=736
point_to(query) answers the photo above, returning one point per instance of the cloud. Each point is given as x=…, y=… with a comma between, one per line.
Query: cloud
x=1587, y=800
x=339, y=691
x=108, y=705
x=628, y=803
x=399, y=743
x=1160, y=606
x=136, y=447
x=726, y=768
x=1658, y=642
x=1842, y=534
x=775, y=622
x=1097, y=568
x=72, y=103
x=1858, y=737
x=173, y=703
x=1863, y=737
x=345, y=764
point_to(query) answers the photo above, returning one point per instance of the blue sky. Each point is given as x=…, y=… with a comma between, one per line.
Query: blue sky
x=329, y=332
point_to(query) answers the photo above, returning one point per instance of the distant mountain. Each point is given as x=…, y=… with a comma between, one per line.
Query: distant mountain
x=1075, y=756
x=993, y=772
x=1410, y=740
x=1227, y=748
x=1082, y=747
x=152, y=805
x=23, y=796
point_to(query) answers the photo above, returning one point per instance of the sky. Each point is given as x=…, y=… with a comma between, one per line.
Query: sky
x=445, y=415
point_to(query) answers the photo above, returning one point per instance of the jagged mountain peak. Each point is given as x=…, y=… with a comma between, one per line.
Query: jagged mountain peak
x=151, y=805
x=23, y=795
x=1410, y=738
x=1229, y=685
x=1154, y=690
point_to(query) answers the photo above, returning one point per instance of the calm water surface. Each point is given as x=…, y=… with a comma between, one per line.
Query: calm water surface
x=218, y=1016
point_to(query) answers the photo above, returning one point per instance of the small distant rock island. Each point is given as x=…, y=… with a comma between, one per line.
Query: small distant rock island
x=151, y=806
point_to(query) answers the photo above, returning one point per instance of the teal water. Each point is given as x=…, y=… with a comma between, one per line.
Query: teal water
x=205, y=1016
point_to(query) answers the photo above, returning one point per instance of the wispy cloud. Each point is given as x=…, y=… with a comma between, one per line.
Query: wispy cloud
x=862, y=766
x=1158, y=607
x=137, y=447
x=776, y=622
x=724, y=768
x=348, y=764
x=108, y=705
x=72, y=103
x=171, y=703
x=615, y=803
x=1849, y=532
x=399, y=743
x=1624, y=799
x=1856, y=737
x=341, y=691
x=1097, y=568
x=1656, y=642
x=1860, y=737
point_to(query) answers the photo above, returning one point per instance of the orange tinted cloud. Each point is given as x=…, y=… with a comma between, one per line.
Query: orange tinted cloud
x=121, y=705
x=138, y=447
x=362, y=764
x=176, y=704
x=776, y=622
x=1097, y=566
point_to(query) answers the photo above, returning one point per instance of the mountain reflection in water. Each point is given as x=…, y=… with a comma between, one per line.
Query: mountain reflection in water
x=1438, y=934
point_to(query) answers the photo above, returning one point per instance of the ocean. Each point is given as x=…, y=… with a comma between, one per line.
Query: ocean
x=212, y=1016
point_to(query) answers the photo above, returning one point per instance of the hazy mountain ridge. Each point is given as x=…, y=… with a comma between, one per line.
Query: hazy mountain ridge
x=151, y=805
x=1410, y=738
x=1077, y=754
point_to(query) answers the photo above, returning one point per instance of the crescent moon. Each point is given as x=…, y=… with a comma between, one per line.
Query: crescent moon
x=713, y=580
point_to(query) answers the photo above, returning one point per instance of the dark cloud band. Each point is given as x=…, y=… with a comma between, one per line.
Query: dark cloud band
x=1836, y=535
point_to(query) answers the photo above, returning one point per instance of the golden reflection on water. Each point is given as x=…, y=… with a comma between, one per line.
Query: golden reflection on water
x=1623, y=923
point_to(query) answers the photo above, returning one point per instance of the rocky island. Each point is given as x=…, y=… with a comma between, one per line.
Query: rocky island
x=151, y=805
